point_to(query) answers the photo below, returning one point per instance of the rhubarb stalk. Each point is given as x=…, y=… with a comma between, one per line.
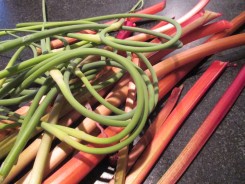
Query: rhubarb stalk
x=173, y=122
x=202, y=135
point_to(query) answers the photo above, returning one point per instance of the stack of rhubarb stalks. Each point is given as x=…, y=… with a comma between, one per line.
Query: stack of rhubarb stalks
x=198, y=86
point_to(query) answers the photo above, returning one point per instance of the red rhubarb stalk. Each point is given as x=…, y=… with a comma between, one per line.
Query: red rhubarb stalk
x=173, y=122
x=205, y=131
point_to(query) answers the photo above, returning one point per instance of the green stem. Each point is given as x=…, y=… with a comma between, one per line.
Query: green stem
x=11, y=63
x=12, y=125
x=95, y=94
x=26, y=40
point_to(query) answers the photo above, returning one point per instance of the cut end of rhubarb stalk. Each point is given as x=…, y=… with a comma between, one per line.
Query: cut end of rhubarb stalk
x=163, y=4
